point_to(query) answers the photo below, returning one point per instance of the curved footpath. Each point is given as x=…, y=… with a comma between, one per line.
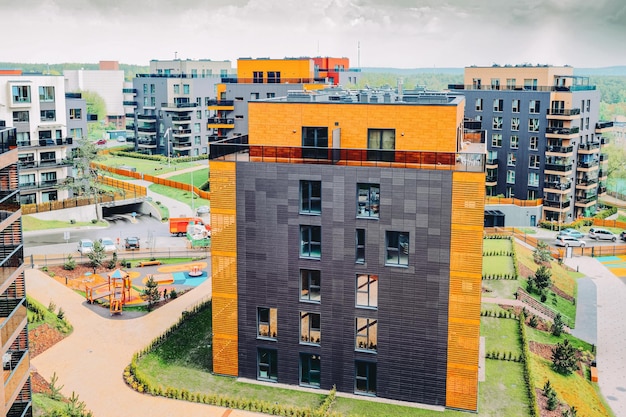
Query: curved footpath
x=91, y=361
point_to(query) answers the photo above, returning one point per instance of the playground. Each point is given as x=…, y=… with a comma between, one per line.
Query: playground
x=117, y=288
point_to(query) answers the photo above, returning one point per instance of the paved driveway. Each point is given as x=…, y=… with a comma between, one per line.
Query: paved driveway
x=91, y=361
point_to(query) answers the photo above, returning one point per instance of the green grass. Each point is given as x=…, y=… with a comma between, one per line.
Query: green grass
x=547, y=337
x=501, y=335
x=50, y=318
x=498, y=265
x=30, y=223
x=503, y=393
x=43, y=405
x=144, y=166
x=497, y=245
x=200, y=176
x=502, y=288
x=180, y=195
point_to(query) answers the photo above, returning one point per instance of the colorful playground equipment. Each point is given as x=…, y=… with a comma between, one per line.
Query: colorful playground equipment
x=117, y=289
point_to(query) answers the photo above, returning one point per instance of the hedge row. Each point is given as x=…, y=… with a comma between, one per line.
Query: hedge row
x=499, y=276
x=498, y=253
x=499, y=314
x=528, y=378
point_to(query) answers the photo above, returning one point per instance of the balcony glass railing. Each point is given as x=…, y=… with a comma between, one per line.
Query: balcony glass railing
x=562, y=130
x=560, y=149
x=559, y=167
x=563, y=112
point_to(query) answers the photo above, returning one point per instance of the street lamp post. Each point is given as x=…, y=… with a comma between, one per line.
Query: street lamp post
x=168, y=133
x=192, y=195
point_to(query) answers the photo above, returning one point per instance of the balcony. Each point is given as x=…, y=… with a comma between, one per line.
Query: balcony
x=586, y=201
x=602, y=175
x=181, y=132
x=181, y=119
x=587, y=165
x=129, y=91
x=226, y=105
x=129, y=103
x=46, y=163
x=559, y=169
x=147, y=142
x=181, y=145
x=601, y=191
x=177, y=106
x=41, y=184
x=45, y=142
x=13, y=317
x=131, y=127
x=602, y=127
x=491, y=180
x=556, y=204
x=146, y=129
x=604, y=140
x=563, y=114
x=147, y=118
x=589, y=148
x=563, y=132
x=585, y=182
x=558, y=187
x=220, y=123
x=16, y=376
x=560, y=151
x=492, y=163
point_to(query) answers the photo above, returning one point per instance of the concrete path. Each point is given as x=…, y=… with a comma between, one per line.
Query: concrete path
x=91, y=361
x=611, y=330
x=587, y=311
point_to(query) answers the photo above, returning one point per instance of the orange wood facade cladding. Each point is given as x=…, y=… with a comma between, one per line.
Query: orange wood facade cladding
x=224, y=267
x=288, y=68
x=466, y=247
x=418, y=127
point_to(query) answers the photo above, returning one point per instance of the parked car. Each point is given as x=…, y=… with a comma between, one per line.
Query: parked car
x=108, y=244
x=132, y=243
x=567, y=241
x=202, y=210
x=572, y=232
x=601, y=234
x=101, y=142
x=622, y=235
x=85, y=246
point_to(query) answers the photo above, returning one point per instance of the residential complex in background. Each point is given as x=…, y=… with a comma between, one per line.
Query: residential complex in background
x=373, y=204
x=15, y=391
x=544, y=138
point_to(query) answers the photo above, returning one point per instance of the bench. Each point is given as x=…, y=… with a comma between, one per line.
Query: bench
x=149, y=263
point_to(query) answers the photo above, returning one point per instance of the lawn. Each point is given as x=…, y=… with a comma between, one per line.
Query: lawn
x=501, y=335
x=497, y=245
x=145, y=166
x=199, y=177
x=493, y=265
x=179, y=195
x=30, y=223
x=503, y=393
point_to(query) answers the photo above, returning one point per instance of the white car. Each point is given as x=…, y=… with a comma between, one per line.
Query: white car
x=601, y=234
x=108, y=244
x=567, y=241
x=85, y=246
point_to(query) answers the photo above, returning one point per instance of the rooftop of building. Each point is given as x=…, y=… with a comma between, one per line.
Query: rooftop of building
x=383, y=95
x=524, y=65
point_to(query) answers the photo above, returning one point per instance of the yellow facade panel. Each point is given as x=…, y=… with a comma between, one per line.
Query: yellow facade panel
x=289, y=69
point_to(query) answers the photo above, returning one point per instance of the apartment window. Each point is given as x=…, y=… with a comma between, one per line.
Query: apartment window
x=273, y=77
x=533, y=179
x=532, y=195
x=47, y=196
x=23, y=138
x=267, y=326
x=533, y=125
x=153, y=101
x=315, y=142
x=365, y=377
x=510, y=176
x=48, y=178
x=185, y=88
x=76, y=114
x=510, y=160
x=498, y=105
x=510, y=192
x=514, y=142
x=496, y=140
x=223, y=73
x=146, y=101
x=76, y=133
x=45, y=134
x=257, y=77
x=20, y=116
x=198, y=114
x=21, y=93
x=497, y=123
x=310, y=369
x=197, y=140
x=176, y=88
x=534, y=161
x=368, y=200
x=46, y=93
x=495, y=83
x=515, y=106
x=310, y=328
x=196, y=128
x=367, y=291
x=360, y=246
x=476, y=83
x=27, y=180
x=533, y=143
x=397, y=248
x=479, y=104
x=267, y=362
x=588, y=105
x=152, y=89
x=381, y=144
x=28, y=198
x=310, y=285
x=530, y=84
x=586, y=123
x=366, y=334
x=310, y=197
x=254, y=96
x=145, y=88
x=48, y=115
x=311, y=242
x=515, y=124
x=271, y=95
x=47, y=156
x=194, y=73
x=534, y=106
x=510, y=83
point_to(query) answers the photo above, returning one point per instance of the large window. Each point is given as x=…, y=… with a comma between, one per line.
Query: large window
x=75, y=114
x=533, y=125
x=496, y=140
x=311, y=241
x=515, y=106
x=185, y=88
x=533, y=143
x=367, y=290
x=510, y=177
x=360, y=246
x=310, y=369
x=368, y=200
x=511, y=159
x=397, y=248
x=21, y=116
x=48, y=115
x=267, y=364
x=497, y=123
x=267, y=322
x=273, y=77
x=530, y=83
x=315, y=142
x=366, y=331
x=310, y=197
x=310, y=285
x=381, y=144
x=46, y=93
x=533, y=179
x=515, y=124
x=310, y=328
x=510, y=83
x=21, y=93
x=514, y=141
x=534, y=161
x=257, y=77
x=479, y=104
x=498, y=105
x=534, y=106
x=364, y=377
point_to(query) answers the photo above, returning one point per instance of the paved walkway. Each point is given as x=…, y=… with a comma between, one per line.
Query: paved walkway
x=611, y=330
x=91, y=361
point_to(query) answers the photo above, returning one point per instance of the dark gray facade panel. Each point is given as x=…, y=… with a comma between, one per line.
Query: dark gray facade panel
x=412, y=301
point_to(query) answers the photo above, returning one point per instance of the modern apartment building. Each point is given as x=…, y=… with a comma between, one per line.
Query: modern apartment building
x=107, y=82
x=543, y=136
x=36, y=106
x=265, y=78
x=15, y=390
x=347, y=246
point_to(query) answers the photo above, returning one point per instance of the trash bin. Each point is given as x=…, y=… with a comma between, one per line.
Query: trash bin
x=128, y=264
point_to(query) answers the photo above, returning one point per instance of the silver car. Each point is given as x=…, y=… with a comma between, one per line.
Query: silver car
x=567, y=241
x=601, y=234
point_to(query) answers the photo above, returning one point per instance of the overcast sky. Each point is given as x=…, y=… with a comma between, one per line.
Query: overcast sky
x=372, y=33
